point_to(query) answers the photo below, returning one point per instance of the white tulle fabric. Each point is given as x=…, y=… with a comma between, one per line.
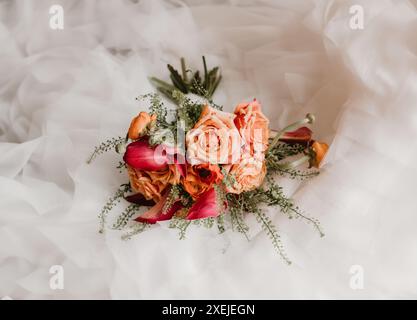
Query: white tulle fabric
x=62, y=92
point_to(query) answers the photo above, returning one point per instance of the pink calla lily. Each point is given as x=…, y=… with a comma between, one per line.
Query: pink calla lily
x=301, y=135
x=206, y=206
x=156, y=214
x=140, y=155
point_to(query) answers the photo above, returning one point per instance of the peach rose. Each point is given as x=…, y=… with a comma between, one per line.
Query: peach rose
x=200, y=178
x=246, y=175
x=153, y=183
x=253, y=127
x=214, y=139
x=139, y=125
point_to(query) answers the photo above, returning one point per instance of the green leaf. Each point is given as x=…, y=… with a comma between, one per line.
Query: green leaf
x=177, y=80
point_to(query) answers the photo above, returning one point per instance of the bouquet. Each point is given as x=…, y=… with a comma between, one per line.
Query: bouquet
x=197, y=164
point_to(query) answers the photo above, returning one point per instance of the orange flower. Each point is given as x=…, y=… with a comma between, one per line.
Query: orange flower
x=214, y=138
x=253, y=127
x=153, y=183
x=139, y=125
x=246, y=175
x=200, y=178
x=320, y=150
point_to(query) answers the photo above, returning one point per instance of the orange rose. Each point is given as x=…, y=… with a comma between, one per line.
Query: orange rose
x=214, y=138
x=153, y=183
x=200, y=178
x=253, y=127
x=139, y=125
x=246, y=175
x=320, y=150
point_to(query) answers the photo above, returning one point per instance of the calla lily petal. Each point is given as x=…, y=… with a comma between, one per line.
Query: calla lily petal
x=206, y=206
x=301, y=135
x=156, y=213
x=140, y=155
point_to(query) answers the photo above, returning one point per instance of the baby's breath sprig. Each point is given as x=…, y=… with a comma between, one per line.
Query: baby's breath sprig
x=156, y=107
x=121, y=166
x=111, y=203
x=271, y=231
x=220, y=224
x=208, y=223
x=274, y=195
x=135, y=229
x=109, y=144
x=187, y=111
x=124, y=218
x=180, y=224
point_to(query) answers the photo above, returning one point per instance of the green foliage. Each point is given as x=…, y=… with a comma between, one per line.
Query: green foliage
x=180, y=224
x=271, y=194
x=124, y=218
x=238, y=222
x=121, y=166
x=187, y=111
x=272, y=232
x=204, y=87
x=135, y=229
x=111, y=203
x=282, y=151
x=109, y=144
x=220, y=223
x=156, y=107
x=285, y=150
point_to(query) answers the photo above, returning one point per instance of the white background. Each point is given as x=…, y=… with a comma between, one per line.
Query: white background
x=64, y=91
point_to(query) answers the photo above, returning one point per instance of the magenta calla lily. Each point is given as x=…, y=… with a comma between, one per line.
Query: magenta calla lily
x=156, y=213
x=140, y=155
x=301, y=135
x=205, y=206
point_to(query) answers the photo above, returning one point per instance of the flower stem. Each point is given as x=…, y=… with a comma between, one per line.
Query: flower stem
x=309, y=118
x=296, y=163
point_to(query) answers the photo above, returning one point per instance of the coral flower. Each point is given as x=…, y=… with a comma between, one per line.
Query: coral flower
x=201, y=178
x=320, y=150
x=139, y=125
x=214, y=138
x=253, y=127
x=151, y=184
x=247, y=175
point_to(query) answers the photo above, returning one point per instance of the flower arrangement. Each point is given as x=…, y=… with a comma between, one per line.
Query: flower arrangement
x=196, y=164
